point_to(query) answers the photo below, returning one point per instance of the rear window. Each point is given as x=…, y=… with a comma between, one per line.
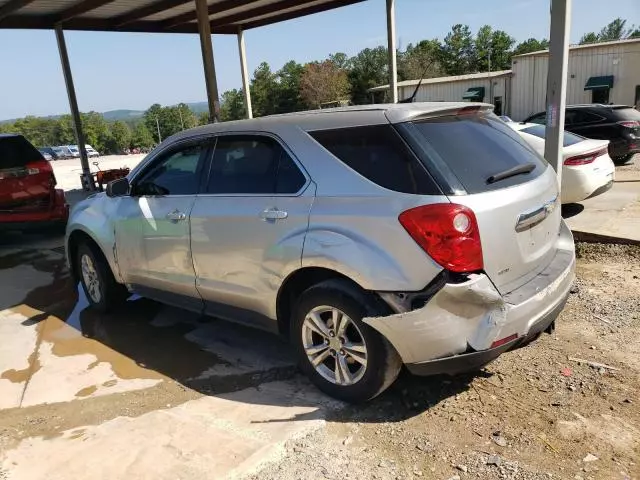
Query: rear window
x=16, y=151
x=539, y=130
x=378, y=153
x=626, y=113
x=477, y=147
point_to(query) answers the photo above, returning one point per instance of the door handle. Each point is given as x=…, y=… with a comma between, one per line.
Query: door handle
x=176, y=216
x=273, y=214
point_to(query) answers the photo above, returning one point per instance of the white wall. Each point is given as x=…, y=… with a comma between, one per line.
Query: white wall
x=529, y=81
x=453, y=91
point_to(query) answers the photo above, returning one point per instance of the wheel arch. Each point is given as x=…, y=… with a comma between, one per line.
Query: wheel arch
x=296, y=283
x=75, y=239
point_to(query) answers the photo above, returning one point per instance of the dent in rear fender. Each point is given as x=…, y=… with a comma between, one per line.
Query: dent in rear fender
x=470, y=313
x=91, y=217
x=355, y=257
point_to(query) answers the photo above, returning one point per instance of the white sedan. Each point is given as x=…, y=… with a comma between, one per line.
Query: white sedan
x=587, y=169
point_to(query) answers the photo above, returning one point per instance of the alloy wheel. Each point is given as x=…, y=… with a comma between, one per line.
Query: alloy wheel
x=334, y=345
x=90, y=278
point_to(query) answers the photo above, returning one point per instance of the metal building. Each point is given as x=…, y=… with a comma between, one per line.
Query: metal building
x=490, y=87
x=607, y=72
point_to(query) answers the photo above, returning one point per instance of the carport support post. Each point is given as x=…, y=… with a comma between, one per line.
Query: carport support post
x=87, y=179
x=557, y=83
x=206, y=45
x=391, y=46
x=245, y=75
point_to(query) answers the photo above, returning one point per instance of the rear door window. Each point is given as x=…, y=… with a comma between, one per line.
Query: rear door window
x=477, y=147
x=539, y=131
x=252, y=165
x=379, y=154
x=16, y=151
x=626, y=114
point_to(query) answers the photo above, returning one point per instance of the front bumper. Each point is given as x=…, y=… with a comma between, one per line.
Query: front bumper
x=457, y=327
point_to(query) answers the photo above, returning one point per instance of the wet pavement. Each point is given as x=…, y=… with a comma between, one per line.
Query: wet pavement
x=76, y=381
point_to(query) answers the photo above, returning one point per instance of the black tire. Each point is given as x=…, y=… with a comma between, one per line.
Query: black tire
x=623, y=160
x=383, y=362
x=111, y=293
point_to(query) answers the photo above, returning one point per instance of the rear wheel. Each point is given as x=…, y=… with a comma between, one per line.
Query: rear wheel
x=623, y=160
x=103, y=292
x=341, y=355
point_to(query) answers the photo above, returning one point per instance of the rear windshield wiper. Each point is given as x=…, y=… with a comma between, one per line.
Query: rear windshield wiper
x=512, y=172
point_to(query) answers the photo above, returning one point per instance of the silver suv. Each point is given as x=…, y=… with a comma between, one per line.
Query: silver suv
x=425, y=234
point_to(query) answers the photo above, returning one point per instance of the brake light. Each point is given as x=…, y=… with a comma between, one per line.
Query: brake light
x=629, y=123
x=34, y=168
x=586, y=158
x=448, y=233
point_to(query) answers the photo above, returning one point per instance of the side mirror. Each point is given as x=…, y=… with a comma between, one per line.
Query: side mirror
x=118, y=188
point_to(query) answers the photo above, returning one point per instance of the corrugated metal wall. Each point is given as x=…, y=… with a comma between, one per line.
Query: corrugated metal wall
x=529, y=81
x=453, y=91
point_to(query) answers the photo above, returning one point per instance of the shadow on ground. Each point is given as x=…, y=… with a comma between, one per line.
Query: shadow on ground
x=202, y=353
x=571, y=209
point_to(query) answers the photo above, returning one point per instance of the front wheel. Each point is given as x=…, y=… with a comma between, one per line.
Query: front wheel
x=340, y=354
x=100, y=286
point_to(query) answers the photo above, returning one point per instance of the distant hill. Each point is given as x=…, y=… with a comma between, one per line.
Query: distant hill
x=124, y=114
x=113, y=115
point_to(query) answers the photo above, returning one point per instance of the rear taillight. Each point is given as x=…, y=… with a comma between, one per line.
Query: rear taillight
x=42, y=166
x=448, y=233
x=629, y=123
x=586, y=158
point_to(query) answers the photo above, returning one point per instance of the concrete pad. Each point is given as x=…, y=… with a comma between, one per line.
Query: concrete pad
x=212, y=437
x=68, y=171
x=615, y=213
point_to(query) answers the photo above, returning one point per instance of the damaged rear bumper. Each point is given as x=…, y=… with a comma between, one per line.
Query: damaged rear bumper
x=457, y=328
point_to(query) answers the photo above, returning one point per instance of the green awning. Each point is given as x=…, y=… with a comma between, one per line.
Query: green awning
x=595, y=83
x=474, y=93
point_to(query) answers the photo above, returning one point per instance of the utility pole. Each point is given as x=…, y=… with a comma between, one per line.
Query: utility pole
x=158, y=126
x=489, y=77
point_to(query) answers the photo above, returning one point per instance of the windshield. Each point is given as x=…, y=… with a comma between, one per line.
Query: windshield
x=476, y=148
x=539, y=130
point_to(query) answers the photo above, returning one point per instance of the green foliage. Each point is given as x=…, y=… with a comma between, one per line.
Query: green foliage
x=120, y=136
x=615, y=30
x=420, y=61
x=232, y=105
x=141, y=136
x=368, y=69
x=492, y=50
x=457, y=54
x=322, y=83
x=531, y=45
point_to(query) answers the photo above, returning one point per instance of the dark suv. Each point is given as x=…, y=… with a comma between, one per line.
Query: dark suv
x=620, y=124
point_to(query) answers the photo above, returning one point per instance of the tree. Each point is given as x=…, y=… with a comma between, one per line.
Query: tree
x=203, y=117
x=531, y=45
x=121, y=136
x=287, y=92
x=186, y=115
x=323, y=82
x=492, y=50
x=457, y=54
x=369, y=68
x=232, y=105
x=263, y=88
x=420, y=61
x=141, y=137
x=615, y=30
x=341, y=60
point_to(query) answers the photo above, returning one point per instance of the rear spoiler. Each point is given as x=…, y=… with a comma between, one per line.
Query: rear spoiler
x=417, y=113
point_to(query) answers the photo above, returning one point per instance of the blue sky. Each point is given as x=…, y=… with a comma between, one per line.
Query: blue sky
x=121, y=70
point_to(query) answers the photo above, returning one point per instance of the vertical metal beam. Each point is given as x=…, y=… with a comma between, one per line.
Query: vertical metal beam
x=206, y=45
x=87, y=179
x=245, y=75
x=557, y=83
x=391, y=46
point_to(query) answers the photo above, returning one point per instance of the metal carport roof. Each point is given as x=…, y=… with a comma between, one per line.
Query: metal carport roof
x=155, y=16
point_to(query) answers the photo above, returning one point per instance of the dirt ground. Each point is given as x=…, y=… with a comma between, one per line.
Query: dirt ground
x=535, y=413
x=567, y=406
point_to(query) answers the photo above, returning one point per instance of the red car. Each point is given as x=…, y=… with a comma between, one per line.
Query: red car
x=28, y=197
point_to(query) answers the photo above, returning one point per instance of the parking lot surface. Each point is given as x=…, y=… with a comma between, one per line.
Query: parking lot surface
x=153, y=392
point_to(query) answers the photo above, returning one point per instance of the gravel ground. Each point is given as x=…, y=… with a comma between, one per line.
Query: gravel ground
x=535, y=413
